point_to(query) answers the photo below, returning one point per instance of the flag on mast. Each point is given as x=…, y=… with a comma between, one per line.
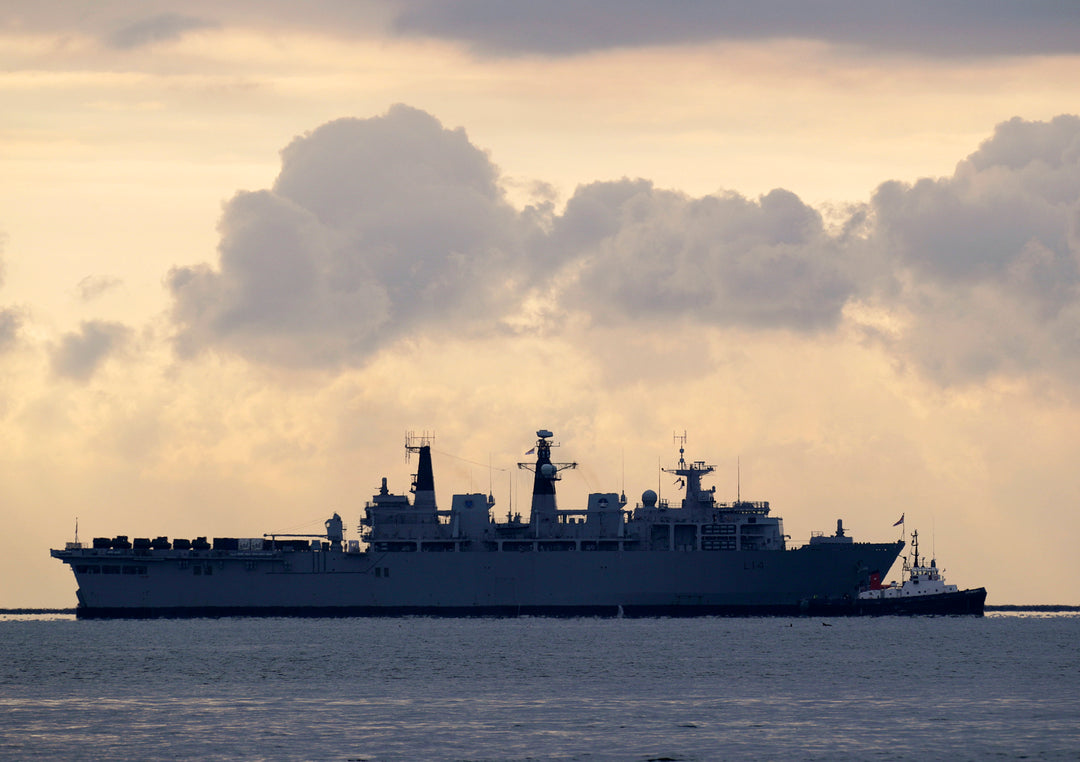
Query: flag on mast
x=901, y=521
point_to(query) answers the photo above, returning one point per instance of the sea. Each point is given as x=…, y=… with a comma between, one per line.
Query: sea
x=1004, y=686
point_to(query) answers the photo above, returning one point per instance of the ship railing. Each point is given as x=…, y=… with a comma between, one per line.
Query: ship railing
x=756, y=507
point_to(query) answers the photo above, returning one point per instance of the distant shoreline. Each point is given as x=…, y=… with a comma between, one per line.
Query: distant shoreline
x=1002, y=607
x=1036, y=607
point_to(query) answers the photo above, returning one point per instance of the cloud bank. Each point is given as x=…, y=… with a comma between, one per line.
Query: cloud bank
x=380, y=228
x=164, y=27
x=563, y=27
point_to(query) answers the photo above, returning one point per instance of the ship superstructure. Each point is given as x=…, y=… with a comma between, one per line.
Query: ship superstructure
x=698, y=556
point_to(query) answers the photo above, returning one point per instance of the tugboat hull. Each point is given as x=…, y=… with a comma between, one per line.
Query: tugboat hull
x=957, y=603
x=961, y=602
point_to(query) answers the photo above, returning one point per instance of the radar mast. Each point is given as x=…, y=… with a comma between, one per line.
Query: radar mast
x=544, y=509
x=691, y=474
x=423, y=485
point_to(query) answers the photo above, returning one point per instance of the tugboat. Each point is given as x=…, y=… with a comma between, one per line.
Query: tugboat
x=923, y=592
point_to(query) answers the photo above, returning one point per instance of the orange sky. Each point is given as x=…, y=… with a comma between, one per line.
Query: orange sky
x=220, y=308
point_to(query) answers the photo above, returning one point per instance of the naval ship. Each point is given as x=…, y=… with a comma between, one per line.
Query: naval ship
x=692, y=557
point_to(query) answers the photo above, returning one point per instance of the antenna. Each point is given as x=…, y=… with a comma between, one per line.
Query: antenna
x=738, y=479
x=414, y=441
x=680, y=440
x=622, y=490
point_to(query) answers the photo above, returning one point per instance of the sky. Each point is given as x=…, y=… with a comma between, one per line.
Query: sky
x=246, y=247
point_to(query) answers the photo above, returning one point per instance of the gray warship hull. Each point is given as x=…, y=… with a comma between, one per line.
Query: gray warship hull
x=696, y=557
x=170, y=583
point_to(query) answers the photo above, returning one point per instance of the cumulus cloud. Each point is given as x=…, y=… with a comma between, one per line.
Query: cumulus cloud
x=721, y=259
x=378, y=229
x=990, y=256
x=80, y=353
x=373, y=227
x=1019, y=188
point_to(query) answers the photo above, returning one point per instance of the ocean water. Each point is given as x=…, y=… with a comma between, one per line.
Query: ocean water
x=1005, y=686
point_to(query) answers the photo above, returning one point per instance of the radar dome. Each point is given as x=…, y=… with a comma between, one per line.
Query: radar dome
x=648, y=498
x=548, y=471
